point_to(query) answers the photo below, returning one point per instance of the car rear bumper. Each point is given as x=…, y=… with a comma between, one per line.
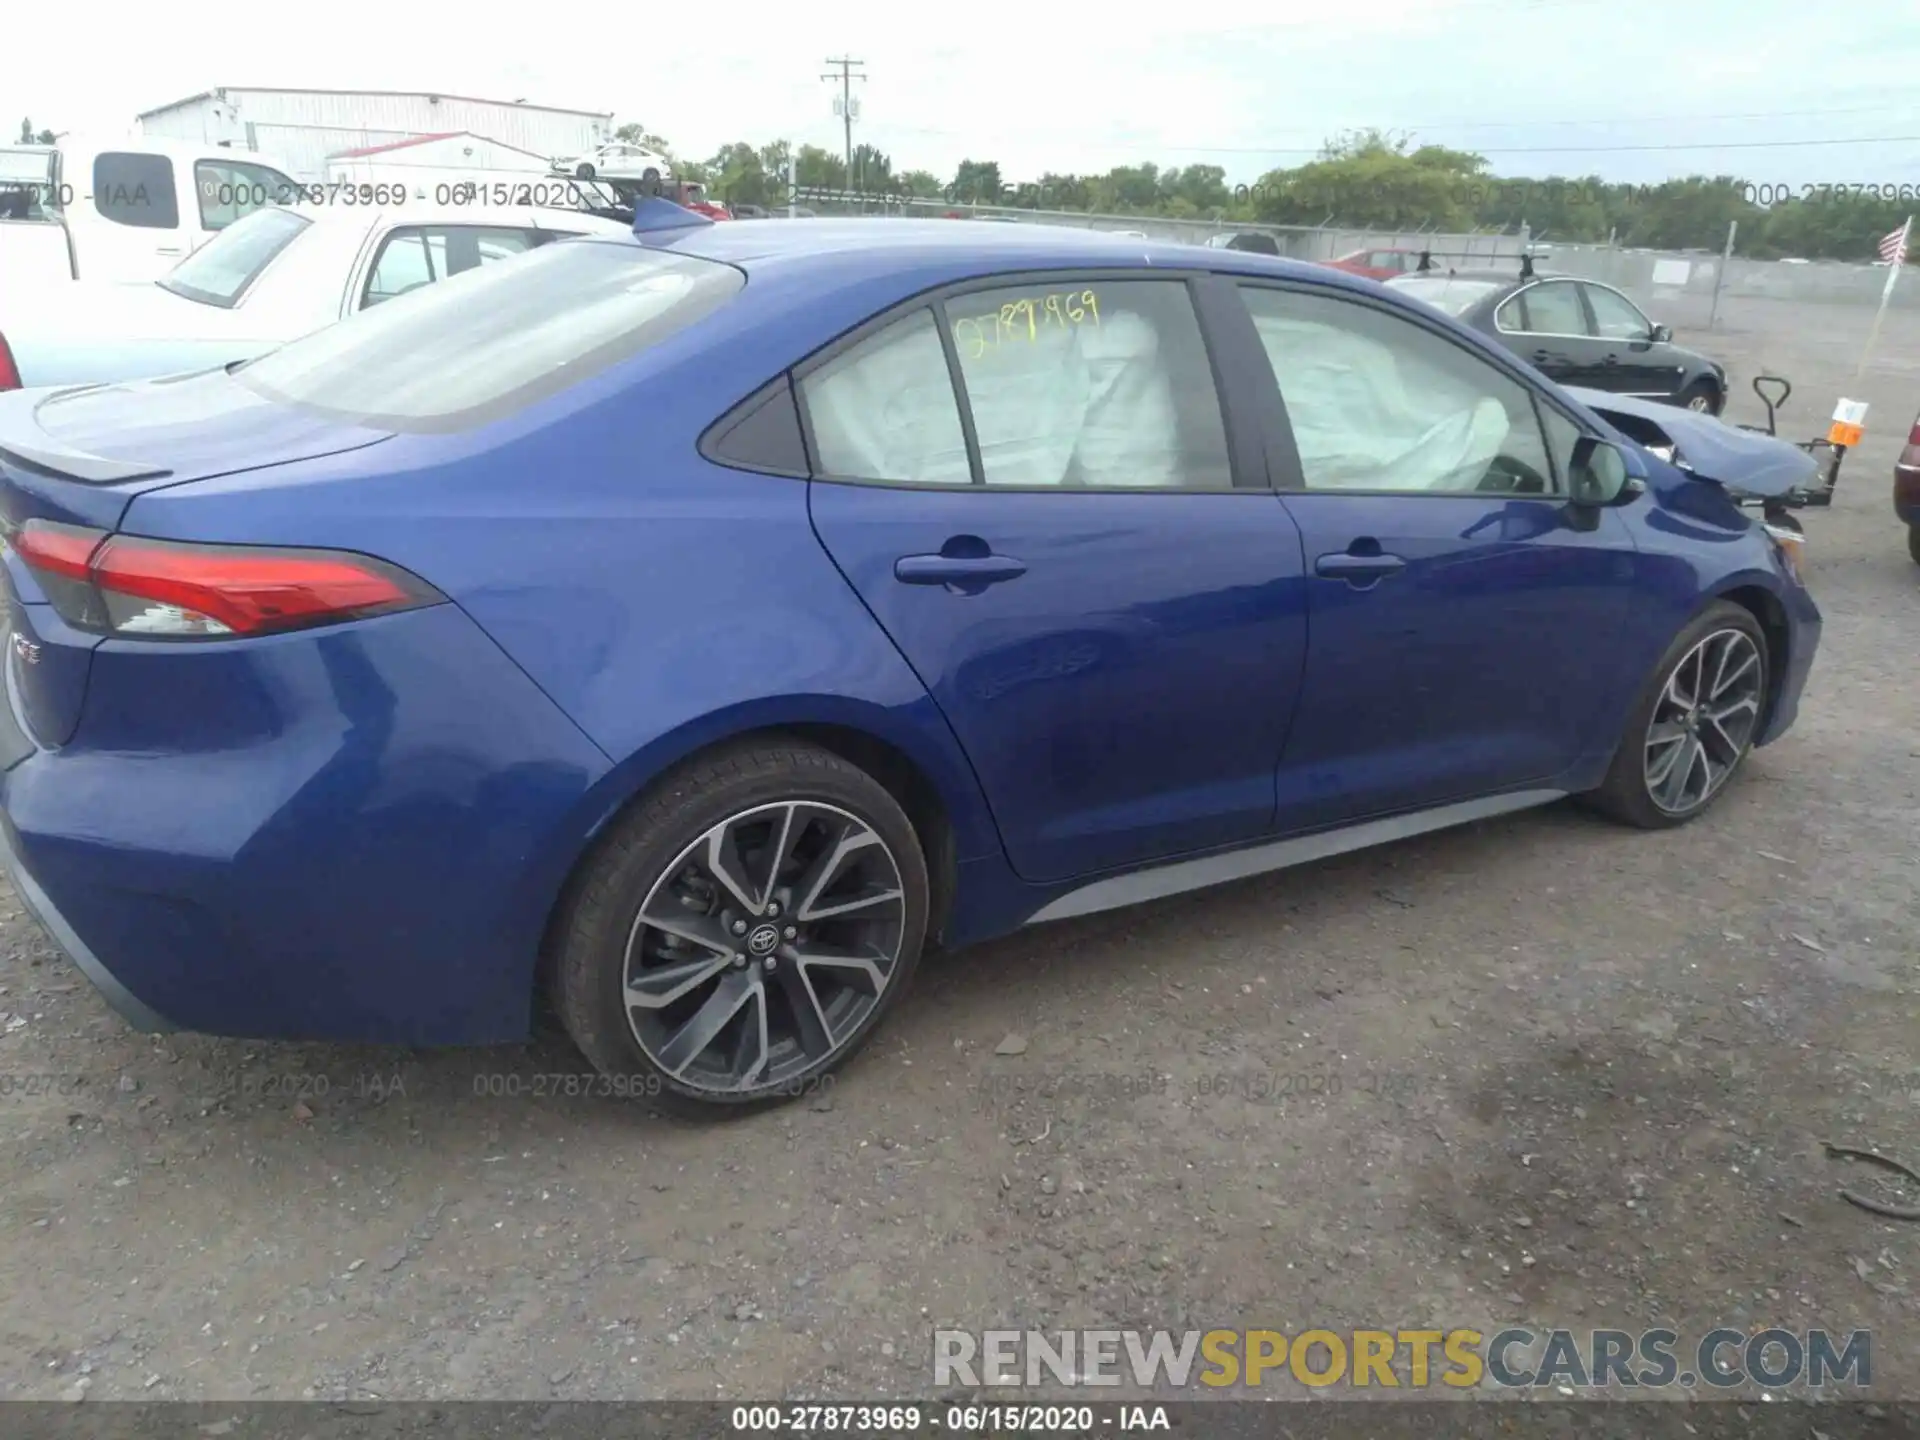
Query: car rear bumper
x=135, y=1011
x=351, y=834
x=1906, y=486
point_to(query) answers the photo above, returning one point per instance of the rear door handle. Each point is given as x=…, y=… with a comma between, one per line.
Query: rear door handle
x=968, y=572
x=1358, y=570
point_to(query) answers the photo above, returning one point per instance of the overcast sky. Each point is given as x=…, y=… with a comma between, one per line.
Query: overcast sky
x=1539, y=86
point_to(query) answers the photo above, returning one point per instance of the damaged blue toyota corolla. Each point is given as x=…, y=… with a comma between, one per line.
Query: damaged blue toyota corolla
x=698, y=624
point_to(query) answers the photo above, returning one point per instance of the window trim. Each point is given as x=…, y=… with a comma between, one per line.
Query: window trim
x=1290, y=478
x=1585, y=309
x=1245, y=477
x=711, y=441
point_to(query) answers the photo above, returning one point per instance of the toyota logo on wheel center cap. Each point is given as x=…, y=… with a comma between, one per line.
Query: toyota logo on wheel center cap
x=763, y=940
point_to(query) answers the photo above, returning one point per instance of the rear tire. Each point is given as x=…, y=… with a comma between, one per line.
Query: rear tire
x=741, y=932
x=1693, y=724
x=1913, y=543
x=584, y=170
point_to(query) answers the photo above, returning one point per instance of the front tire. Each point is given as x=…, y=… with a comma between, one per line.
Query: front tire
x=1702, y=397
x=1693, y=724
x=584, y=170
x=743, y=930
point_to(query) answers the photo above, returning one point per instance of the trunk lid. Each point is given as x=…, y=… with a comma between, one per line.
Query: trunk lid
x=81, y=456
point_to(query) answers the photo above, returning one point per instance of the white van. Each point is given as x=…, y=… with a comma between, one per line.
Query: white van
x=123, y=208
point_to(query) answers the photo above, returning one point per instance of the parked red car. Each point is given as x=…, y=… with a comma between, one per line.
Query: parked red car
x=1378, y=264
x=1906, y=490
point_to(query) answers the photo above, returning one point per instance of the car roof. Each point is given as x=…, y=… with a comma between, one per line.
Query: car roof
x=427, y=212
x=941, y=251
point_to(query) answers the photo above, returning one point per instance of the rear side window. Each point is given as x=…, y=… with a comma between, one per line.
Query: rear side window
x=419, y=255
x=468, y=350
x=220, y=271
x=135, y=189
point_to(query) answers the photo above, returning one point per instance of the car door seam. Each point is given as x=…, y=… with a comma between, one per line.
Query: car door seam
x=946, y=721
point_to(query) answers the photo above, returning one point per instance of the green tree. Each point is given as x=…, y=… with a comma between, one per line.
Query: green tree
x=1689, y=214
x=872, y=171
x=736, y=174
x=921, y=184
x=977, y=181
x=819, y=169
x=644, y=138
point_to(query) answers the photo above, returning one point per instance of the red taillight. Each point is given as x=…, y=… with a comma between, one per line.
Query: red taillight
x=9, y=372
x=128, y=585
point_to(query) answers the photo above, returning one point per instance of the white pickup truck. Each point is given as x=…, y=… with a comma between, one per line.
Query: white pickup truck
x=125, y=208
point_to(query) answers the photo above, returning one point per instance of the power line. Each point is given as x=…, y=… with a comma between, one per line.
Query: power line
x=1163, y=145
x=843, y=72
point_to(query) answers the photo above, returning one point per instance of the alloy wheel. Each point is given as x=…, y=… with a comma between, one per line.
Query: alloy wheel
x=1703, y=721
x=763, y=949
x=1702, y=403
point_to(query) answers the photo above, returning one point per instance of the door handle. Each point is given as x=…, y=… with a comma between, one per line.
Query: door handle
x=166, y=249
x=966, y=572
x=1359, y=571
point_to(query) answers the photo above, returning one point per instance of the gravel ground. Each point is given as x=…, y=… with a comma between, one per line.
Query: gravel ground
x=1540, y=1070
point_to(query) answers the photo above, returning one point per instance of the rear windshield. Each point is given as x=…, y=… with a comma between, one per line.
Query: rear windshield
x=219, y=272
x=1452, y=296
x=494, y=338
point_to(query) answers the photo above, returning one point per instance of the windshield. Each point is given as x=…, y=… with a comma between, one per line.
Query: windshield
x=1452, y=296
x=496, y=337
x=219, y=272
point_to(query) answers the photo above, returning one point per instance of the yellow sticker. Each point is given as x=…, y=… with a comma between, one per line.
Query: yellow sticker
x=1025, y=319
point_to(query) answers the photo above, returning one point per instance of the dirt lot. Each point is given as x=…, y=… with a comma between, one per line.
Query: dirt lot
x=1583, y=1078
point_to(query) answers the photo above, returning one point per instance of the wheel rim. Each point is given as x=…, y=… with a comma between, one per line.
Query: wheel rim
x=1700, y=402
x=763, y=949
x=1703, y=721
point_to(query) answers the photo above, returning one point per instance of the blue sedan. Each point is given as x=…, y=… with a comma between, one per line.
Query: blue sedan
x=698, y=624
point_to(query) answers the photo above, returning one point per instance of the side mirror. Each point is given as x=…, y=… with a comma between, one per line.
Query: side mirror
x=1660, y=334
x=1599, y=475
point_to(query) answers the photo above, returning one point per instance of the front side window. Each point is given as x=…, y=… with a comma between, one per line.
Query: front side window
x=417, y=255
x=1378, y=403
x=1095, y=383
x=1615, y=316
x=220, y=271
x=885, y=409
x=231, y=189
x=468, y=350
x=1552, y=308
x=133, y=189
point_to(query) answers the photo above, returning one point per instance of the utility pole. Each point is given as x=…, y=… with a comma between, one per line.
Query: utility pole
x=846, y=107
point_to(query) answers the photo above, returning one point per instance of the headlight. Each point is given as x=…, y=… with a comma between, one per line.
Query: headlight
x=1791, y=542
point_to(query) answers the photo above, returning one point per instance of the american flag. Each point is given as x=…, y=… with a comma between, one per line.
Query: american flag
x=1893, y=249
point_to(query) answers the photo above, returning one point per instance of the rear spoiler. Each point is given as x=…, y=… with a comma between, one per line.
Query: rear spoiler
x=24, y=443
